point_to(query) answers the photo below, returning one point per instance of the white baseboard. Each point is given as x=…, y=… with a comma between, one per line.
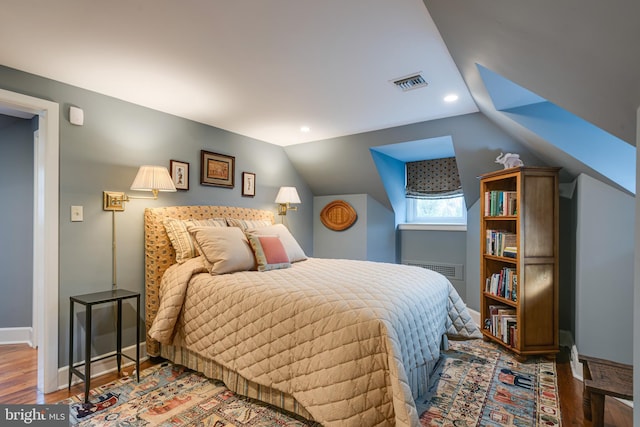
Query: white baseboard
x=16, y=336
x=576, y=367
x=102, y=367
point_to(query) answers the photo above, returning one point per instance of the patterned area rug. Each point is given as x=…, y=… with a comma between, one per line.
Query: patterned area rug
x=477, y=384
x=171, y=395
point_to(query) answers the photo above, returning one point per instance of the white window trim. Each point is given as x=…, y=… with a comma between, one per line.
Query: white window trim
x=432, y=227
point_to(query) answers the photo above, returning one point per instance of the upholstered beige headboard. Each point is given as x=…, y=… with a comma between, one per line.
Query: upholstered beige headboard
x=159, y=254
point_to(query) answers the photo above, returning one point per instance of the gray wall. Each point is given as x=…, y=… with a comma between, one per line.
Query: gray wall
x=371, y=238
x=381, y=240
x=448, y=247
x=476, y=142
x=16, y=222
x=567, y=265
x=104, y=154
x=472, y=268
x=604, y=271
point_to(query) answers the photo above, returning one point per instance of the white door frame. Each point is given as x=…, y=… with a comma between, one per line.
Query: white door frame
x=45, y=231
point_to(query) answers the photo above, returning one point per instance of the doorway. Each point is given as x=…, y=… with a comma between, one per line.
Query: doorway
x=45, y=230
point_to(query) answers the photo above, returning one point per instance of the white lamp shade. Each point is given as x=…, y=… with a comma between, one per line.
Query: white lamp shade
x=151, y=178
x=288, y=195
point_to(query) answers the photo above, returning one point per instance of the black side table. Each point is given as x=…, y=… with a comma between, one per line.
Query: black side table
x=89, y=300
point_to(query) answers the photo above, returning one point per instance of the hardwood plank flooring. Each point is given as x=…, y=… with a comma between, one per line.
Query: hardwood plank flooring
x=18, y=379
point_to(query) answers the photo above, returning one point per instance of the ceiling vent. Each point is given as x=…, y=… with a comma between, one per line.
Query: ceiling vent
x=411, y=82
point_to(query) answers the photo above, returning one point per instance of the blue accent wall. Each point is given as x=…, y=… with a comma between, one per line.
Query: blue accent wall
x=585, y=142
x=392, y=173
x=589, y=144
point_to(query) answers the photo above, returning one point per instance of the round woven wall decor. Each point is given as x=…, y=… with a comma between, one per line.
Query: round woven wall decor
x=338, y=215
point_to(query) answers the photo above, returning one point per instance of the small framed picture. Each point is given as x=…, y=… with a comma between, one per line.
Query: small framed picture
x=180, y=174
x=217, y=169
x=248, y=184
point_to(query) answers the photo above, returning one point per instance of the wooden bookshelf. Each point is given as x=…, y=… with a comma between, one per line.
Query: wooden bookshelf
x=530, y=319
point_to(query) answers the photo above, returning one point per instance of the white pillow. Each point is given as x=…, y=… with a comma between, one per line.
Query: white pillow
x=225, y=249
x=294, y=251
x=245, y=224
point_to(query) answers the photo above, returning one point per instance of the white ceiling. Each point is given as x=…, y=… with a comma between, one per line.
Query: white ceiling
x=258, y=68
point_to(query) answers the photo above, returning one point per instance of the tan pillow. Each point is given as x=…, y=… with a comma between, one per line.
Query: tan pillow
x=225, y=249
x=245, y=224
x=181, y=239
x=294, y=251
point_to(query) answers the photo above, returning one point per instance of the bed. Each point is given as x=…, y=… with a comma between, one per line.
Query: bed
x=341, y=342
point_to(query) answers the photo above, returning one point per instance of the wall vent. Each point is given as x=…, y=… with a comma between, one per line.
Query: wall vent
x=450, y=271
x=411, y=82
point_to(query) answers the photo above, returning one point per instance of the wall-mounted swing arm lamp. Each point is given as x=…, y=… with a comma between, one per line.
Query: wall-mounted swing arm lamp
x=148, y=178
x=286, y=196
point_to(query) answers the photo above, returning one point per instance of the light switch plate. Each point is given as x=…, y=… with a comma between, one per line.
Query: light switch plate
x=76, y=214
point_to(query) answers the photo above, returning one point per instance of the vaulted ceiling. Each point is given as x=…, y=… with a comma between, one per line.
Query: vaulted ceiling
x=264, y=69
x=583, y=56
x=577, y=58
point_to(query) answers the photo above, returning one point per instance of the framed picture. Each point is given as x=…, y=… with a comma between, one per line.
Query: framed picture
x=180, y=174
x=217, y=169
x=248, y=184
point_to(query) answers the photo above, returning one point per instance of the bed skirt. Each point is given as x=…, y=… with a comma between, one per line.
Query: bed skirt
x=234, y=381
x=418, y=379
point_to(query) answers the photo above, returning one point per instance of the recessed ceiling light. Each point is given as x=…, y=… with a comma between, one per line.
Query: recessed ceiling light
x=305, y=129
x=451, y=98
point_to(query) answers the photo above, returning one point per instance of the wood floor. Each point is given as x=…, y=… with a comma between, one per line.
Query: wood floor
x=18, y=385
x=18, y=377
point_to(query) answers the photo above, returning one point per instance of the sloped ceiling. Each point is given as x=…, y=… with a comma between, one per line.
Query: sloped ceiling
x=262, y=69
x=583, y=56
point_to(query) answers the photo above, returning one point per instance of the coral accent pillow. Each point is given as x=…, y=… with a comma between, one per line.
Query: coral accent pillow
x=269, y=252
x=294, y=251
x=225, y=249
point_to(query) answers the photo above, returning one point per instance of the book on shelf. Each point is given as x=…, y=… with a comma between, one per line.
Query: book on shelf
x=503, y=284
x=510, y=252
x=497, y=241
x=507, y=322
x=500, y=203
x=511, y=333
x=501, y=322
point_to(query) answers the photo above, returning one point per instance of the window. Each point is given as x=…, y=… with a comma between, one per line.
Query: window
x=451, y=210
x=434, y=192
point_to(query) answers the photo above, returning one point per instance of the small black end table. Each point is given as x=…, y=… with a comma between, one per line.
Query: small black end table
x=89, y=300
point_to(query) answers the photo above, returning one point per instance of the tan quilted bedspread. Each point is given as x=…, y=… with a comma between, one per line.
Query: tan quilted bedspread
x=335, y=334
